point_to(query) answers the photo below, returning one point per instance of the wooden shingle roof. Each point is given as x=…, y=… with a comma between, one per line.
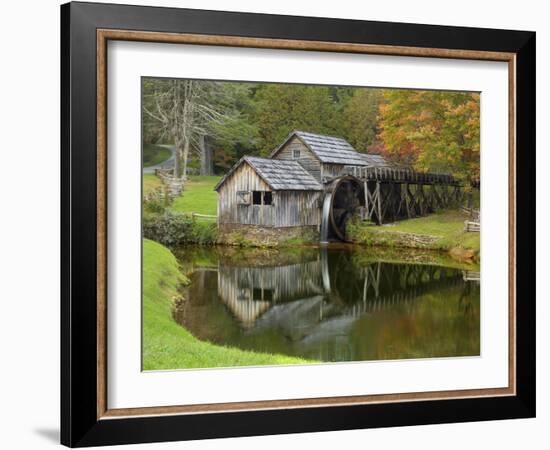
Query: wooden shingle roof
x=280, y=175
x=374, y=160
x=332, y=149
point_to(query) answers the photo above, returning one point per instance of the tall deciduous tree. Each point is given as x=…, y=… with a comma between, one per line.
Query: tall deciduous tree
x=236, y=131
x=177, y=106
x=191, y=113
x=282, y=108
x=360, y=118
x=433, y=130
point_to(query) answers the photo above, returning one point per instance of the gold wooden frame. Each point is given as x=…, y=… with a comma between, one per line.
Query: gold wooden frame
x=103, y=36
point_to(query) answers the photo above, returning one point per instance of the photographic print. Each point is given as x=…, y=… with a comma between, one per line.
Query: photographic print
x=297, y=224
x=255, y=206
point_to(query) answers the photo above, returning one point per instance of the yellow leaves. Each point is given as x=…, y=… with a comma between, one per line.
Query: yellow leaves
x=439, y=130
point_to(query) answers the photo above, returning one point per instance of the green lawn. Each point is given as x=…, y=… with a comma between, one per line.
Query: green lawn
x=154, y=154
x=151, y=183
x=198, y=196
x=167, y=345
x=443, y=231
x=448, y=225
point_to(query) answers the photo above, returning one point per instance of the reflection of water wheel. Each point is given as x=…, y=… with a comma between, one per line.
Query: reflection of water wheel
x=344, y=281
x=346, y=197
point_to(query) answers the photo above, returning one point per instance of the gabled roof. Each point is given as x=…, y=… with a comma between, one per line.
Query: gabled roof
x=280, y=175
x=328, y=149
x=374, y=160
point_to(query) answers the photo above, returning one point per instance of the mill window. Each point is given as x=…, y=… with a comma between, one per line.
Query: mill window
x=262, y=198
x=296, y=154
x=256, y=197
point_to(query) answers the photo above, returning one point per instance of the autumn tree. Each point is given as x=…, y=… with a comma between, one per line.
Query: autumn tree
x=432, y=130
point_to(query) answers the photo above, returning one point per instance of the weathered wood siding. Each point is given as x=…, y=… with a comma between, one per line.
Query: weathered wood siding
x=307, y=159
x=229, y=211
x=296, y=208
x=332, y=170
x=288, y=209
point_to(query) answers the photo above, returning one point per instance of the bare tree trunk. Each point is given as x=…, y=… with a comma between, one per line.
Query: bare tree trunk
x=206, y=156
x=185, y=156
x=177, y=159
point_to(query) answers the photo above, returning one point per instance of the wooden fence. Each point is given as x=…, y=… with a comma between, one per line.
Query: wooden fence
x=470, y=226
x=174, y=185
x=473, y=222
x=197, y=216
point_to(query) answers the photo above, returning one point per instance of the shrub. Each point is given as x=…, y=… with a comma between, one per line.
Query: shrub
x=204, y=233
x=359, y=232
x=156, y=201
x=172, y=229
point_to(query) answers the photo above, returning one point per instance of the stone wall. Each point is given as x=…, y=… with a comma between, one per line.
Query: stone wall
x=257, y=236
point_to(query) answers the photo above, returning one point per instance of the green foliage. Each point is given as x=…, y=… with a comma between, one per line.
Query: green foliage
x=156, y=201
x=170, y=222
x=433, y=130
x=184, y=111
x=360, y=118
x=173, y=229
x=152, y=130
x=204, y=233
x=236, y=128
x=282, y=108
x=154, y=154
x=167, y=345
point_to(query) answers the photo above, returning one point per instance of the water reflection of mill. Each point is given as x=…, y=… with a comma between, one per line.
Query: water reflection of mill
x=322, y=297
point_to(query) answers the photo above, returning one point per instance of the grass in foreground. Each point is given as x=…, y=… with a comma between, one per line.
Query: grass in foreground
x=167, y=345
x=154, y=154
x=199, y=196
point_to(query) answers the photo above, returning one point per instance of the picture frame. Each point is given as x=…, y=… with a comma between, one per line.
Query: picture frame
x=86, y=419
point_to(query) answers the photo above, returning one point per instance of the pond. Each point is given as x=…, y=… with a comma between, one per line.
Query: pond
x=329, y=304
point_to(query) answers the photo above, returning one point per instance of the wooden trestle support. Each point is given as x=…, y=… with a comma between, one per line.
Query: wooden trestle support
x=393, y=194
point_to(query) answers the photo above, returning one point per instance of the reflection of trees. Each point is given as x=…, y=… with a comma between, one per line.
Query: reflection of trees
x=324, y=305
x=465, y=301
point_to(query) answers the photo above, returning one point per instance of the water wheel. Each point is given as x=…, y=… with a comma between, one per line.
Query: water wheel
x=344, y=197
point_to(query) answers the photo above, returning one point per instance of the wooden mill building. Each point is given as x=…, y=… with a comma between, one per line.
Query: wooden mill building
x=318, y=182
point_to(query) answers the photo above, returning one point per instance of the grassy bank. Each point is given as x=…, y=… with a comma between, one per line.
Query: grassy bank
x=167, y=345
x=443, y=231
